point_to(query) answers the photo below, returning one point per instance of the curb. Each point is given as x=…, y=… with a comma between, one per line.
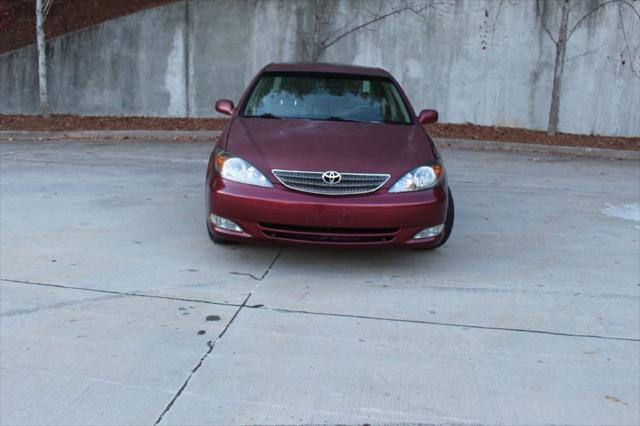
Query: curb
x=211, y=135
x=530, y=148
x=98, y=135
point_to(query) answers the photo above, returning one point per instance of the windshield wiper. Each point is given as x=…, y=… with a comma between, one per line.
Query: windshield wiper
x=334, y=118
x=265, y=115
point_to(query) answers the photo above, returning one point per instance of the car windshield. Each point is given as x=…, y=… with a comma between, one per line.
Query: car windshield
x=326, y=97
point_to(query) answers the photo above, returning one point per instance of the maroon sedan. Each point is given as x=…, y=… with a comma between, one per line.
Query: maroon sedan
x=327, y=155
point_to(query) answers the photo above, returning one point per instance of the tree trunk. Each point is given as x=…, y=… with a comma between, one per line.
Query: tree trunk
x=42, y=60
x=558, y=71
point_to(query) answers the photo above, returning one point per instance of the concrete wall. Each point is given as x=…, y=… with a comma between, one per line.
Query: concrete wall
x=462, y=58
x=122, y=67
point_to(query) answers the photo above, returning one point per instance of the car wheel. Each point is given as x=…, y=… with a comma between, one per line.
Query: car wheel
x=217, y=240
x=448, y=224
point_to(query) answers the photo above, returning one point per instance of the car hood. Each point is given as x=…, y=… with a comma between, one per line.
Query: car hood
x=313, y=145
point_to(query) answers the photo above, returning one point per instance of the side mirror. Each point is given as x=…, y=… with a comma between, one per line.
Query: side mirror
x=224, y=106
x=428, y=116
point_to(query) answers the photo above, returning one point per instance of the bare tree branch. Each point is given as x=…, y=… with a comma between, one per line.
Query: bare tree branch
x=326, y=43
x=497, y=17
x=586, y=53
x=624, y=34
x=495, y=20
x=432, y=6
x=320, y=33
x=619, y=4
x=600, y=6
x=631, y=6
x=586, y=15
x=564, y=34
x=544, y=24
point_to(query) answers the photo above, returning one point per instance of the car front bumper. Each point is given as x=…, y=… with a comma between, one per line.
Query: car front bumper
x=281, y=215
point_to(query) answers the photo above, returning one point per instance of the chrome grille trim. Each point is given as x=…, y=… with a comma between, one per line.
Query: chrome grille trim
x=311, y=182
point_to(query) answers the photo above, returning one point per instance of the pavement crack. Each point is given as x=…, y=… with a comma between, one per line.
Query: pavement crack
x=266, y=272
x=120, y=293
x=245, y=274
x=446, y=324
x=273, y=262
x=210, y=346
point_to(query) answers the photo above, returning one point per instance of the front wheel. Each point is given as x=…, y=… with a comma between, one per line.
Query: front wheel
x=214, y=238
x=448, y=224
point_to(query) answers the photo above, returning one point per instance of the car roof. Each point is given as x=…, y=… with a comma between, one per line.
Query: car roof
x=326, y=68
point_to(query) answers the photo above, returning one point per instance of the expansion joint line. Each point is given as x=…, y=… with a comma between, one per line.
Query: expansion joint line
x=119, y=293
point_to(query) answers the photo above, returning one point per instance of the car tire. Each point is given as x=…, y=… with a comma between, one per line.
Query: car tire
x=448, y=224
x=216, y=240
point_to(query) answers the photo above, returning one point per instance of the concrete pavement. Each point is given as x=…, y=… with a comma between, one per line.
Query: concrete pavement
x=115, y=308
x=208, y=136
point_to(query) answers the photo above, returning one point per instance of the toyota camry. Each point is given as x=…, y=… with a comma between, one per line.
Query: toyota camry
x=327, y=154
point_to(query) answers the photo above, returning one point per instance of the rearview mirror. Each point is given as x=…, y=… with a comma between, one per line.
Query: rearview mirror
x=428, y=116
x=224, y=106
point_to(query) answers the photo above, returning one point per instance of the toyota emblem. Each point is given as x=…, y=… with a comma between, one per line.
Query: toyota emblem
x=331, y=177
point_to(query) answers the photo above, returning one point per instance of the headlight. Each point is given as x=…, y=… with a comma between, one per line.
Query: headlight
x=423, y=177
x=238, y=170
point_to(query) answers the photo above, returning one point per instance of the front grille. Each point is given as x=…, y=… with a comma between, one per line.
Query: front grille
x=329, y=235
x=340, y=239
x=350, y=184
